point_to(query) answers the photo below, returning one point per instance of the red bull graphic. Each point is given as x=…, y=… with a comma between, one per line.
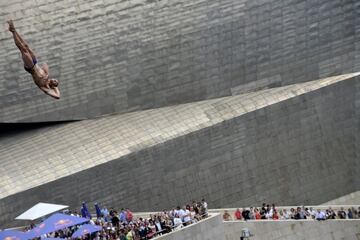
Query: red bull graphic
x=12, y=238
x=62, y=222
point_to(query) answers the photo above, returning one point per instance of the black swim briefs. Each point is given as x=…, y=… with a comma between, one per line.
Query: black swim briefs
x=31, y=69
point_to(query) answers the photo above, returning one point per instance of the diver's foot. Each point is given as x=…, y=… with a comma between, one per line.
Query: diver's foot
x=11, y=26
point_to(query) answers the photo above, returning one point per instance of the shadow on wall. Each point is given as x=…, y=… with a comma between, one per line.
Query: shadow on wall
x=11, y=129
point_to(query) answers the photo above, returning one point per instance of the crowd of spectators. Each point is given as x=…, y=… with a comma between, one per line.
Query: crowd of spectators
x=122, y=225
x=273, y=213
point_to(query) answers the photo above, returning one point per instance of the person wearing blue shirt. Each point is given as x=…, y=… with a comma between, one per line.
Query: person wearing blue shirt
x=105, y=213
x=122, y=215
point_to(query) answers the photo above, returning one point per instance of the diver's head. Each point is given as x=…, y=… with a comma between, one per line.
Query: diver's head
x=53, y=83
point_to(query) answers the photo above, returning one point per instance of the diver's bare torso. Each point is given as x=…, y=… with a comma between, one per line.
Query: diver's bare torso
x=40, y=76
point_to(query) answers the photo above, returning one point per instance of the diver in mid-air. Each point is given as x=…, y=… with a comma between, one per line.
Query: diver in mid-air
x=40, y=73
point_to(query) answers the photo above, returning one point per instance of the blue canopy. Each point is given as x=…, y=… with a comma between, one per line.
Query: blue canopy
x=52, y=238
x=56, y=222
x=86, y=229
x=13, y=235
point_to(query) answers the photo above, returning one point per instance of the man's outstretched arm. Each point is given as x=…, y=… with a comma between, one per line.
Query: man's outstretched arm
x=52, y=92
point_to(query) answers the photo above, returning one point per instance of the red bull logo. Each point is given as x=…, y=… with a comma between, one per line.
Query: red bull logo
x=41, y=226
x=11, y=238
x=62, y=222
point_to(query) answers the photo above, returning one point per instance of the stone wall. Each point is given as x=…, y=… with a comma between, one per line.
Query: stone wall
x=292, y=230
x=292, y=146
x=214, y=228
x=208, y=229
x=348, y=199
x=120, y=56
x=345, y=206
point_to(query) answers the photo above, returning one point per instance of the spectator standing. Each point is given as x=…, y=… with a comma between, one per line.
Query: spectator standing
x=104, y=211
x=245, y=214
x=122, y=215
x=302, y=213
x=204, y=208
x=168, y=224
x=111, y=212
x=350, y=214
x=263, y=211
x=149, y=231
x=298, y=214
x=187, y=216
x=142, y=230
x=307, y=213
x=181, y=212
x=195, y=213
x=332, y=214
x=292, y=213
x=237, y=214
x=341, y=213
x=114, y=219
x=269, y=212
x=195, y=207
x=251, y=214
x=328, y=214
x=312, y=213
x=275, y=215
x=177, y=221
x=257, y=214
x=320, y=215
x=129, y=235
x=273, y=208
x=226, y=216
x=122, y=235
x=281, y=214
x=152, y=225
x=158, y=226
x=129, y=215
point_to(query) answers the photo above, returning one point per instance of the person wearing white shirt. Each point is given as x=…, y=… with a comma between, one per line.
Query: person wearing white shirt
x=204, y=208
x=270, y=214
x=181, y=212
x=158, y=226
x=286, y=214
x=312, y=212
x=177, y=222
x=187, y=217
x=320, y=215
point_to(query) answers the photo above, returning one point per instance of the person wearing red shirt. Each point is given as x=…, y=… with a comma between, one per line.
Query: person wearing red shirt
x=275, y=215
x=238, y=215
x=129, y=215
x=257, y=214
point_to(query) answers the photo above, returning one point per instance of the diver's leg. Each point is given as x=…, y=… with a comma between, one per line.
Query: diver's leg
x=21, y=44
x=27, y=59
x=25, y=45
x=25, y=54
x=19, y=41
